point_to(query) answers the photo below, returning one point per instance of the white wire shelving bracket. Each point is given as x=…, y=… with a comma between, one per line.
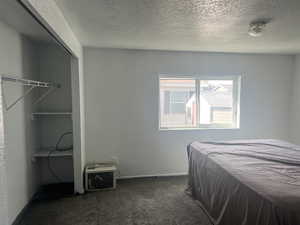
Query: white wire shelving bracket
x=32, y=83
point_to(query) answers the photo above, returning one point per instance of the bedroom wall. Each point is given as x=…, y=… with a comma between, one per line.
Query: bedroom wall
x=295, y=103
x=18, y=57
x=122, y=104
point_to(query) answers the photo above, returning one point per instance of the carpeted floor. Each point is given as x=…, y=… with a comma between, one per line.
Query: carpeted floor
x=147, y=201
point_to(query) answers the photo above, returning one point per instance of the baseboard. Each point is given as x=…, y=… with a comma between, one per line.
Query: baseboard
x=21, y=215
x=153, y=175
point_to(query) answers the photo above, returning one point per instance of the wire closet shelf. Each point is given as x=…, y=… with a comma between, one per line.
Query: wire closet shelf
x=32, y=84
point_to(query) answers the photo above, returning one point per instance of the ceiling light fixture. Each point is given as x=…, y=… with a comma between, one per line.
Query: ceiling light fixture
x=257, y=27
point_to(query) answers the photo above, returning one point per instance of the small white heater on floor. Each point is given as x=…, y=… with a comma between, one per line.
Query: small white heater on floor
x=100, y=176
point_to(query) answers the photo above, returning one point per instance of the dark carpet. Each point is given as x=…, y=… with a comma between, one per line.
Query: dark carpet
x=147, y=201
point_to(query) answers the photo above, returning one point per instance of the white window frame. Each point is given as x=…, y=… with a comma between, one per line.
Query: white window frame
x=236, y=101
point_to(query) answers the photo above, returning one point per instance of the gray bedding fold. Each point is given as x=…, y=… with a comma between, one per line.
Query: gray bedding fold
x=249, y=182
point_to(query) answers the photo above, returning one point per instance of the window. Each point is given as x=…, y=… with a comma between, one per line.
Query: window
x=199, y=103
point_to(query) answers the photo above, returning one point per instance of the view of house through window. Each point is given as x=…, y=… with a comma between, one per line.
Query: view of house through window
x=176, y=103
x=198, y=103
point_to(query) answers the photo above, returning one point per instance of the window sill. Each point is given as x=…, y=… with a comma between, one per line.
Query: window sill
x=199, y=128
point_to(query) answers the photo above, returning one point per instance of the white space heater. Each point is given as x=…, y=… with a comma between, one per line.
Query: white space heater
x=100, y=176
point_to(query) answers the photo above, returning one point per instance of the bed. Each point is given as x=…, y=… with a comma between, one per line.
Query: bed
x=246, y=182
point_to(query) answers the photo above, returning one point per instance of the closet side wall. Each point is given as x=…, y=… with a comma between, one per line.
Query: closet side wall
x=18, y=57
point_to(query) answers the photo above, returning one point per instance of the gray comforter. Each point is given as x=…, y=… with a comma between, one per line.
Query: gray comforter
x=250, y=182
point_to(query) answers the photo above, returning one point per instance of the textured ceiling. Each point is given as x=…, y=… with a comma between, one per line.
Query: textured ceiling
x=191, y=25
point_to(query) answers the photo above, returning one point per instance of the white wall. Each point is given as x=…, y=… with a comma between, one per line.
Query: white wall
x=122, y=104
x=17, y=57
x=295, y=103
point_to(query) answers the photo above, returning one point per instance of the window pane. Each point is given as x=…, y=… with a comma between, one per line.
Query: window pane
x=177, y=103
x=216, y=102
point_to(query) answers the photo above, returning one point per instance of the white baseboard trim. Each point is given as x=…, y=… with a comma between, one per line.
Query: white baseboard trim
x=153, y=175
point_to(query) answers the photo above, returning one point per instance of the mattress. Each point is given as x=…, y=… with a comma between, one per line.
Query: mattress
x=246, y=182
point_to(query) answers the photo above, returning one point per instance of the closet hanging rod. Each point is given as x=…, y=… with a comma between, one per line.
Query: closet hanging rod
x=30, y=82
x=33, y=84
